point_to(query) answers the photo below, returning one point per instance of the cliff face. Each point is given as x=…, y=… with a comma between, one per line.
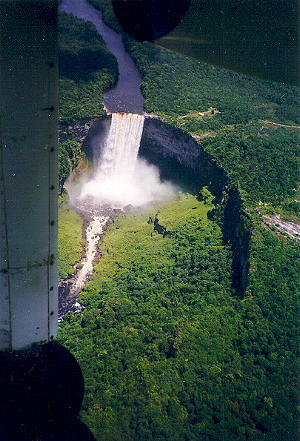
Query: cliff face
x=180, y=158
x=237, y=231
x=183, y=161
x=94, y=140
x=168, y=141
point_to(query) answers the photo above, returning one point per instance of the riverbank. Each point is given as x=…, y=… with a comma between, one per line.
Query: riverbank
x=68, y=289
x=125, y=95
x=70, y=238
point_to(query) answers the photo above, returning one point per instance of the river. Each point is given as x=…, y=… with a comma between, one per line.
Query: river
x=126, y=96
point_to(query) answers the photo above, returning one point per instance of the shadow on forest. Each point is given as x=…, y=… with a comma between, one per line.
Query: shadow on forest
x=82, y=65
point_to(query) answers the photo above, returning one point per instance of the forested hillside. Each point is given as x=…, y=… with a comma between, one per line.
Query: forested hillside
x=260, y=157
x=258, y=37
x=86, y=69
x=167, y=349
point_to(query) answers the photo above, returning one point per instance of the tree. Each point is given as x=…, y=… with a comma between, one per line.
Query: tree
x=206, y=196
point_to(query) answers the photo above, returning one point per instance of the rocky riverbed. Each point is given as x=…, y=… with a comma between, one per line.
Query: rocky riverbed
x=291, y=229
x=96, y=221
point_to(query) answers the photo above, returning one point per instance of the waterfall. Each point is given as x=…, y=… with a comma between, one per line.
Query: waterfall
x=120, y=177
x=120, y=152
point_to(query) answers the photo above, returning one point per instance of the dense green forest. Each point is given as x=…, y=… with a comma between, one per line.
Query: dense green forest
x=260, y=157
x=171, y=86
x=86, y=69
x=106, y=8
x=167, y=350
x=70, y=240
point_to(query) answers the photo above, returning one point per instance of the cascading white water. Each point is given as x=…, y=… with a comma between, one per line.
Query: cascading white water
x=121, y=148
x=120, y=177
x=94, y=232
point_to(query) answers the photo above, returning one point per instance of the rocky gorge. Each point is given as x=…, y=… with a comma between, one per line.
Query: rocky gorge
x=182, y=160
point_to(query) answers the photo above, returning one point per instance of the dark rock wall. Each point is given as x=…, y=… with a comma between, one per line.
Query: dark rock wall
x=171, y=142
x=93, y=143
x=236, y=227
x=180, y=158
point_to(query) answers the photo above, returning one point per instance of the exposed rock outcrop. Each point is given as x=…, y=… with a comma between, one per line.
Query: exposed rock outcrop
x=160, y=229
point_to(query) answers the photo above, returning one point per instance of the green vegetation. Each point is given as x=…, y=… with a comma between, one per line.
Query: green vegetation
x=259, y=158
x=167, y=352
x=274, y=289
x=143, y=314
x=106, y=8
x=70, y=240
x=205, y=196
x=172, y=82
x=263, y=163
x=69, y=155
x=87, y=69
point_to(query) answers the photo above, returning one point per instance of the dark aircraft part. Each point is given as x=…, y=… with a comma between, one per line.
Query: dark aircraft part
x=41, y=391
x=41, y=383
x=149, y=19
